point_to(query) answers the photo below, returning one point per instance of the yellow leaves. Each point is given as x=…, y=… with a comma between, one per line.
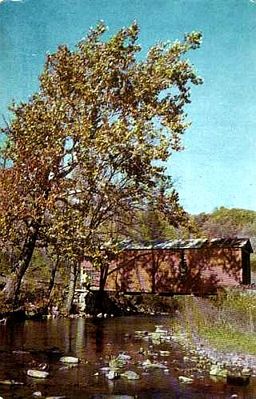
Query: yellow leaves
x=84, y=148
x=194, y=39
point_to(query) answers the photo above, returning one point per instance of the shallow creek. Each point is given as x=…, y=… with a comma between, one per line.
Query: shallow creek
x=40, y=344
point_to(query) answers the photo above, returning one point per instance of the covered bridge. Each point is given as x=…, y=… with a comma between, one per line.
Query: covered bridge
x=177, y=266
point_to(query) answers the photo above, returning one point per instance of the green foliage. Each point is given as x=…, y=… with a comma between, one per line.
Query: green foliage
x=40, y=267
x=152, y=224
x=226, y=339
x=253, y=262
x=5, y=265
x=224, y=222
x=226, y=322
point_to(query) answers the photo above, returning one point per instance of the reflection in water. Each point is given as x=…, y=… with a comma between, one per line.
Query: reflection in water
x=99, y=337
x=26, y=345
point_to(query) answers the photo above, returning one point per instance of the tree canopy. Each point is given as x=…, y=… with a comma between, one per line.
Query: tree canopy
x=89, y=147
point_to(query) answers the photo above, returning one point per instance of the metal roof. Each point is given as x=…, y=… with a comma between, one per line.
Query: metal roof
x=192, y=243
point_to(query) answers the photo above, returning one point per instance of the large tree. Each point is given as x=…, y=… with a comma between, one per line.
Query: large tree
x=90, y=145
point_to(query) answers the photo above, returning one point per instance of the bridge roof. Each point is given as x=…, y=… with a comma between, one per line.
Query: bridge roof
x=192, y=243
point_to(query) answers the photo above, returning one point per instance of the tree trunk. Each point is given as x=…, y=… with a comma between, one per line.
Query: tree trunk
x=71, y=287
x=12, y=287
x=103, y=276
x=52, y=277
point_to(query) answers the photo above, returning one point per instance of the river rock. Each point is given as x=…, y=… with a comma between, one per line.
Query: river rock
x=164, y=353
x=218, y=371
x=69, y=359
x=37, y=394
x=124, y=357
x=156, y=336
x=10, y=382
x=141, y=333
x=246, y=371
x=148, y=364
x=55, y=397
x=130, y=375
x=37, y=373
x=185, y=380
x=161, y=330
x=112, y=375
x=105, y=369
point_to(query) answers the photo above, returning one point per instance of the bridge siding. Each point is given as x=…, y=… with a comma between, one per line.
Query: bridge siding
x=165, y=271
x=168, y=271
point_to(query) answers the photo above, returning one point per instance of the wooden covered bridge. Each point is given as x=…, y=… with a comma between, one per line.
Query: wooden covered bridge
x=176, y=267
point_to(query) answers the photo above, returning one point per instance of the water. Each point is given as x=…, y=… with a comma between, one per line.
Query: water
x=27, y=345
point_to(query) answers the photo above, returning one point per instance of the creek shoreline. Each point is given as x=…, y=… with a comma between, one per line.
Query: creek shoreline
x=208, y=356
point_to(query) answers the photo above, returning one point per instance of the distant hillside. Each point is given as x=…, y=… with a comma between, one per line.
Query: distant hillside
x=224, y=222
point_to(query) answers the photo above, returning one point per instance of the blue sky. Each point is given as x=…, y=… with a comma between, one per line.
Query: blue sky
x=217, y=167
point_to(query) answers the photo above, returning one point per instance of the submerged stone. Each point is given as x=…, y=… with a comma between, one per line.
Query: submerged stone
x=130, y=375
x=218, y=371
x=148, y=364
x=185, y=380
x=37, y=373
x=69, y=359
x=55, y=397
x=10, y=382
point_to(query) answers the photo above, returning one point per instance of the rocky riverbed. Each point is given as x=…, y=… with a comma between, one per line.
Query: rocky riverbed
x=204, y=359
x=114, y=358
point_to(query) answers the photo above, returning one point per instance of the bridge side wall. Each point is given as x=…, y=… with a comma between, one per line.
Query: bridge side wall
x=166, y=271
x=172, y=271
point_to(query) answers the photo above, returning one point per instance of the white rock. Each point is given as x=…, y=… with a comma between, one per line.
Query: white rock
x=164, y=353
x=130, y=375
x=161, y=330
x=218, y=371
x=148, y=364
x=37, y=373
x=185, y=380
x=124, y=357
x=10, y=382
x=105, y=369
x=37, y=394
x=69, y=359
x=246, y=371
x=55, y=397
x=112, y=375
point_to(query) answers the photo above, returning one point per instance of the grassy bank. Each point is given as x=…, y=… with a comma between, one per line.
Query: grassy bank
x=226, y=322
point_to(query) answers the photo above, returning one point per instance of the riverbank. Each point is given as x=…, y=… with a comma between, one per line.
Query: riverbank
x=219, y=331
